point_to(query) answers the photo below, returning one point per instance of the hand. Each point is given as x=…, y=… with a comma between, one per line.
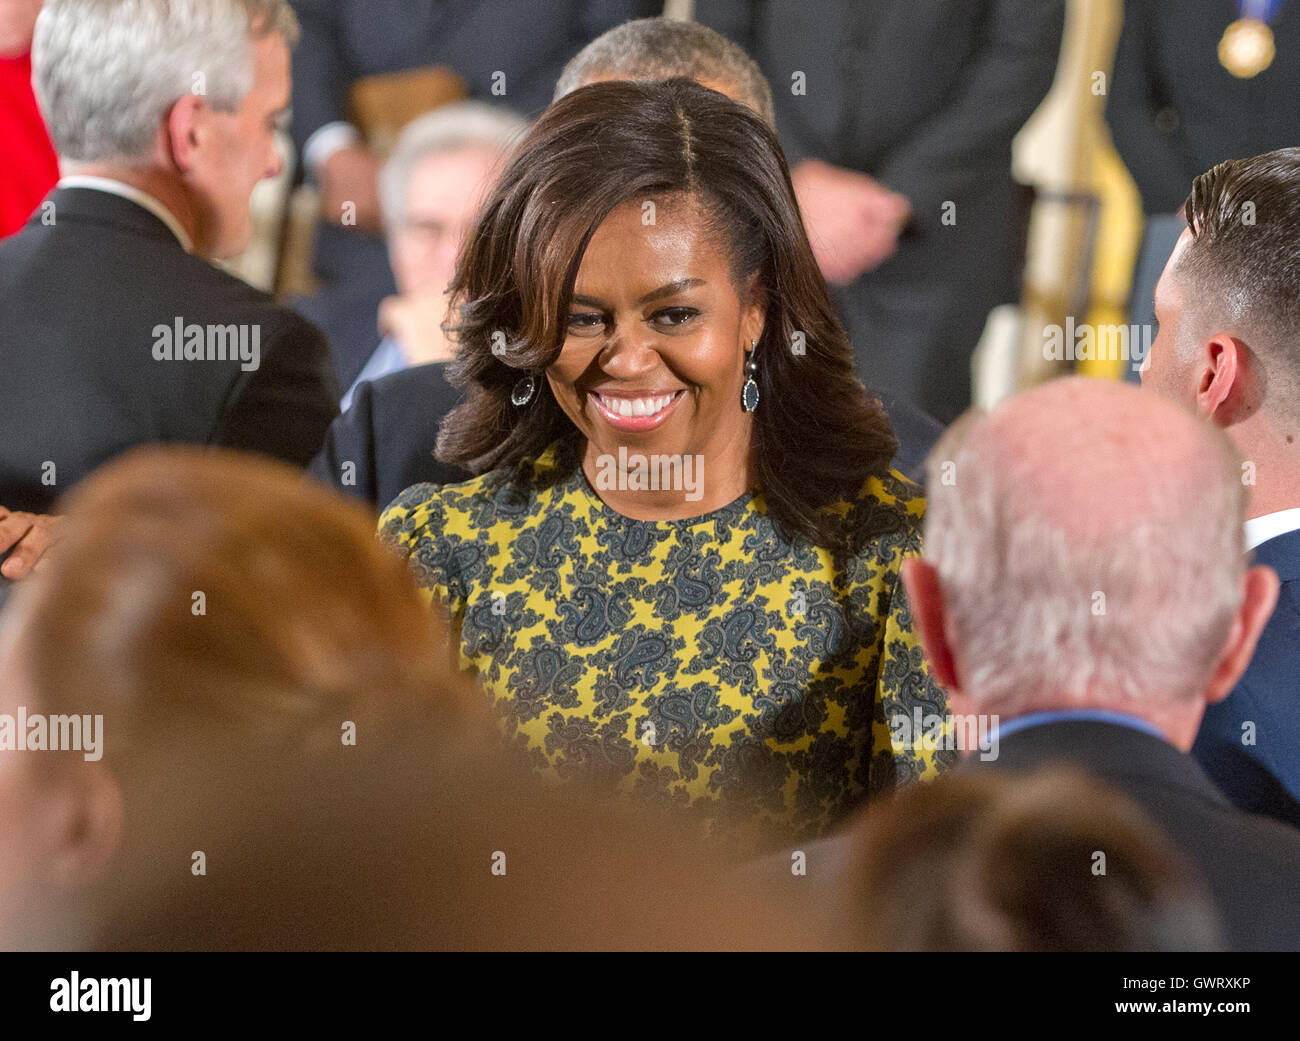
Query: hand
x=416, y=322
x=349, y=187
x=29, y=535
x=852, y=220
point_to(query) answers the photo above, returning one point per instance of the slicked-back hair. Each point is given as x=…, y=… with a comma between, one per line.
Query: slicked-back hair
x=818, y=435
x=1244, y=261
x=663, y=49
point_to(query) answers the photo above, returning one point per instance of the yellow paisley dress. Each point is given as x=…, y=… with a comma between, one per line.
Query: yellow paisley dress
x=710, y=661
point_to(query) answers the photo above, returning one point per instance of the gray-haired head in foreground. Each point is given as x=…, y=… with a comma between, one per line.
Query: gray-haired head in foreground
x=107, y=72
x=463, y=124
x=664, y=48
x=1089, y=545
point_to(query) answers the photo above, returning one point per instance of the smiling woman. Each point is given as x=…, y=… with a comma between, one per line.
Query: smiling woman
x=721, y=623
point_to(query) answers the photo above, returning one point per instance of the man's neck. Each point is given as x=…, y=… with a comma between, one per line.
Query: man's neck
x=178, y=200
x=1271, y=463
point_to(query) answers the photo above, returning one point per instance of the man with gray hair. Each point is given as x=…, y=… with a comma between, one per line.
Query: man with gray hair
x=117, y=329
x=1084, y=589
x=429, y=193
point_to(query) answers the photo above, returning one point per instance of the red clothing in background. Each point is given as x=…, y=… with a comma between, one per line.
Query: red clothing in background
x=28, y=165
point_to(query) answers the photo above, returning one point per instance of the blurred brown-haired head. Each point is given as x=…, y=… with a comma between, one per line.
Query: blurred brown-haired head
x=206, y=589
x=1055, y=861
x=407, y=844
x=204, y=612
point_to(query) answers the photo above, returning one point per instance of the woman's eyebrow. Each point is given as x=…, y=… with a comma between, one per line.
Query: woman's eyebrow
x=670, y=288
x=676, y=286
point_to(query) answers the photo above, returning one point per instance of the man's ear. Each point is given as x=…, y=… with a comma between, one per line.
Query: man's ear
x=1221, y=374
x=86, y=824
x=1260, y=588
x=185, y=130
x=921, y=581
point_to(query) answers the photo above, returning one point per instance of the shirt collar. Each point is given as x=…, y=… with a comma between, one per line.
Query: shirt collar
x=1270, y=526
x=135, y=195
x=1123, y=719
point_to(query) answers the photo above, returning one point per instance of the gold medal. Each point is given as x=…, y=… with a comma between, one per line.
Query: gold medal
x=1247, y=48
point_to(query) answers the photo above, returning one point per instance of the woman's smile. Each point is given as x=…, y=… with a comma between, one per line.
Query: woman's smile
x=634, y=412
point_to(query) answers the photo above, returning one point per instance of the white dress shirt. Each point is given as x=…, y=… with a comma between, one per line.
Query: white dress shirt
x=330, y=138
x=1270, y=526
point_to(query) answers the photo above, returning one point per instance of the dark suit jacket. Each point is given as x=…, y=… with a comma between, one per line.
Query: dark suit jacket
x=925, y=97
x=1264, y=775
x=1174, y=111
x=917, y=431
x=345, y=40
x=79, y=302
x=1251, y=864
x=348, y=311
x=389, y=432
x=388, y=436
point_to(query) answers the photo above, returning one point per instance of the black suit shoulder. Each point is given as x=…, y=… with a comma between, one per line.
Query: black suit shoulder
x=1251, y=864
x=284, y=407
x=384, y=442
x=92, y=303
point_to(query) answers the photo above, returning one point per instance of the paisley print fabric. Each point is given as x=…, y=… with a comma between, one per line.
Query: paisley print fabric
x=743, y=676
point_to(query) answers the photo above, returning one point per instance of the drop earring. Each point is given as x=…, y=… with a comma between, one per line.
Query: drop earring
x=523, y=391
x=749, y=393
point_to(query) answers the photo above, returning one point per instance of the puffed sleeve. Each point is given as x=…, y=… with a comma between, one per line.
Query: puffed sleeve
x=414, y=526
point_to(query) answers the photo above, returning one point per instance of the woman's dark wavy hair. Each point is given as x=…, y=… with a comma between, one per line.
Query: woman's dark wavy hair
x=818, y=434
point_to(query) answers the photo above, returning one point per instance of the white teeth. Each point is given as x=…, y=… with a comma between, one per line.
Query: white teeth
x=629, y=407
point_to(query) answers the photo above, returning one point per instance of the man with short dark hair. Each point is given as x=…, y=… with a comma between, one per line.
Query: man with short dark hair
x=1228, y=346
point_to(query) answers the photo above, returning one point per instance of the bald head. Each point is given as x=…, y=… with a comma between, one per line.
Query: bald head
x=1087, y=541
x=1097, y=457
